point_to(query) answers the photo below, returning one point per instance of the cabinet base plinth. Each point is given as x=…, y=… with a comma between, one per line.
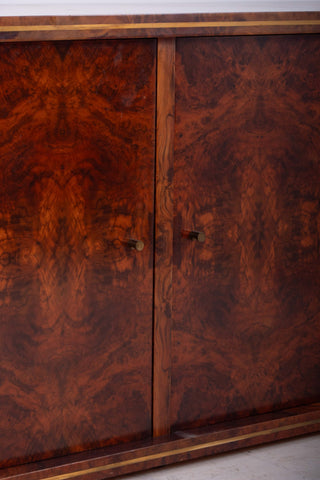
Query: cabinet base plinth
x=181, y=446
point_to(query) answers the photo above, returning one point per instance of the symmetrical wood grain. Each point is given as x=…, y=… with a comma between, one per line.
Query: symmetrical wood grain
x=77, y=174
x=246, y=312
x=161, y=26
x=163, y=238
x=77, y=148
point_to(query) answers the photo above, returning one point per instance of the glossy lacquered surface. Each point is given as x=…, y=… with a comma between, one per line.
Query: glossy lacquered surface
x=246, y=324
x=77, y=125
x=118, y=352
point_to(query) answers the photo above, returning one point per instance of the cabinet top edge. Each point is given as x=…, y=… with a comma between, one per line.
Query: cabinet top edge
x=62, y=27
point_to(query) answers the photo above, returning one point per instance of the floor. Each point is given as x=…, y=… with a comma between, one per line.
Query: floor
x=295, y=459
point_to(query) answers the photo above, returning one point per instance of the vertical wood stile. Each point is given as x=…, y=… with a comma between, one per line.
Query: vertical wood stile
x=163, y=236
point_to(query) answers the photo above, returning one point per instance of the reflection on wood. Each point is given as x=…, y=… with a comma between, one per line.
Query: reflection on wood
x=77, y=168
x=247, y=301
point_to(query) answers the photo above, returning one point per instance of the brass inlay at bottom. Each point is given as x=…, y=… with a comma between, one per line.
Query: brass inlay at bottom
x=158, y=26
x=170, y=453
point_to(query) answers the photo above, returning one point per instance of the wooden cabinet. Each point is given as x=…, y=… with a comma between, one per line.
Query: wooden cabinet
x=116, y=130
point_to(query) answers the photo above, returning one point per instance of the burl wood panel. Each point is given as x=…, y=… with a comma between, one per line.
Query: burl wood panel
x=77, y=174
x=247, y=168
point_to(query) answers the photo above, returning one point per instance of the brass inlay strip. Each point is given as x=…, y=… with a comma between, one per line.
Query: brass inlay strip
x=170, y=453
x=157, y=26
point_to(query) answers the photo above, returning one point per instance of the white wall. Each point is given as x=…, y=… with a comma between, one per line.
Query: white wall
x=106, y=7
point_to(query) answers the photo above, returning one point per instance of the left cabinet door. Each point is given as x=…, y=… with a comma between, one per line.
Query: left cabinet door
x=76, y=183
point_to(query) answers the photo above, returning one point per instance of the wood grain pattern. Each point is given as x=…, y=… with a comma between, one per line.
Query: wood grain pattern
x=77, y=174
x=161, y=26
x=246, y=324
x=163, y=238
x=77, y=147
x=121, y=460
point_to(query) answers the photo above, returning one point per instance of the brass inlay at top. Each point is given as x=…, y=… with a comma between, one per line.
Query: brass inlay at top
x=157, y=26
x=179, y=451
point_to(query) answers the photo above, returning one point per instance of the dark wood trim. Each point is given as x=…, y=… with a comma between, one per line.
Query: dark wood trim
x=182, y=446
x=163, y=236
x=134, y=26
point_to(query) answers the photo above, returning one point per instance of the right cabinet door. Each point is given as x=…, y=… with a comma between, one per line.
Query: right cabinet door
x=246, y=326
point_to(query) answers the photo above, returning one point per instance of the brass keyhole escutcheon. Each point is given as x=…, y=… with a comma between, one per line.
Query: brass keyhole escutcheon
x=136, y=244
x=194, y=235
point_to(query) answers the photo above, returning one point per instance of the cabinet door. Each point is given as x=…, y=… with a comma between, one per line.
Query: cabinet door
x=247, y=169
x=76, y=176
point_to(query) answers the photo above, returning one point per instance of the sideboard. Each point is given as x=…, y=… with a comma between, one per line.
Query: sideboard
x=159, y=239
